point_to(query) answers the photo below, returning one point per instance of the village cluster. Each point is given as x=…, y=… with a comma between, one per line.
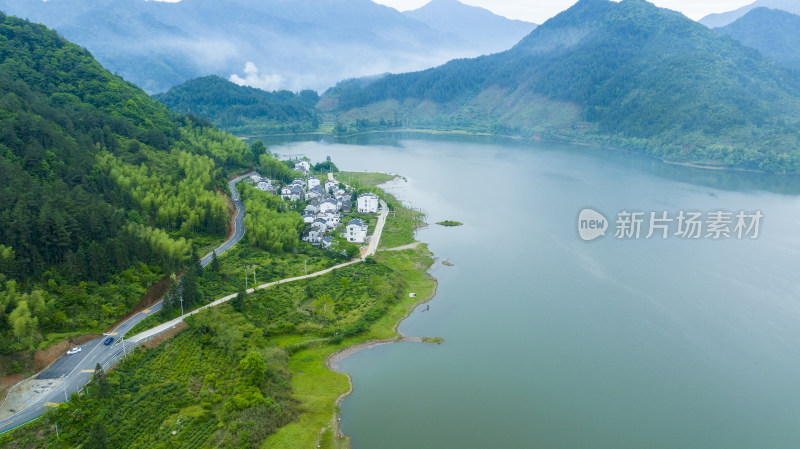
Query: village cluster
x=327, y=202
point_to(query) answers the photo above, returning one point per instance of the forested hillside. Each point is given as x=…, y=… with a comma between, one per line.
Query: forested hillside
x=242, y=109
x=626, y=74
x=102, y=191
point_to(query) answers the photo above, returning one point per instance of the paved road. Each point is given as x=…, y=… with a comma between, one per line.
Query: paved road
x=376, y=236
x=76, y=370
x=238, y=223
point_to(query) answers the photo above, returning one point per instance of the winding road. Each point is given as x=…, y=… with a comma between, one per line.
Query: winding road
x=238, y=223
x=70, y=373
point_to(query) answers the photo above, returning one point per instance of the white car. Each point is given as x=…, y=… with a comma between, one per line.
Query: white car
x=74, y=351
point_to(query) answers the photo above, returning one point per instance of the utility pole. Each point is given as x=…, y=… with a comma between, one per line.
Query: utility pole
x=65, y=394
x=305, y=266
x=57, y=436
x=181, y=304
x=255, y=282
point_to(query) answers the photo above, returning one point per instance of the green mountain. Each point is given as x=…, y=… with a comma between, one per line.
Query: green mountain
x=717, y=20
x=242, y=109
x=626, y=74
x=773, y=32
x=102, y=191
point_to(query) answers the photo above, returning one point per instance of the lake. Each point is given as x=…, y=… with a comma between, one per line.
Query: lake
x=555, y=342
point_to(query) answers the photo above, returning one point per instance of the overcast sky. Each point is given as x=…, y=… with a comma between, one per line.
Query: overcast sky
x=540, y=10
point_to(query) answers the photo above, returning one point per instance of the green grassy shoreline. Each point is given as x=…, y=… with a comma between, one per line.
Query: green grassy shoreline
x=319, y=388
x=315, y=382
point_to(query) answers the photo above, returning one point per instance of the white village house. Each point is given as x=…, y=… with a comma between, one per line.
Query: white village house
x=356, y=231
x=331, y=220
x=314, y=192
x=264, y=185
x=320, y=222
x=331, y=184
x=302, y=166
x=313, y=182
x=314, y=234
x=367, y=203
x=328, y=206
x=292, y=192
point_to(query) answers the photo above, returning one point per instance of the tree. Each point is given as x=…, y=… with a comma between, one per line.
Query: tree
x=101, y=382
x=191, y=288
x=238, y=301
x=195, y=265
x=324, y=307
x=254, y=366
x=168, y=305
x=7, y=261
x=325, y=167
x=258, y=148
x=23, y=324
x=352, y=250
x=98, y=438
x=214, y=262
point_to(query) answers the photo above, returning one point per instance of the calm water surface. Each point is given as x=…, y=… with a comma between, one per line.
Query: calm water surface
x=552, y=342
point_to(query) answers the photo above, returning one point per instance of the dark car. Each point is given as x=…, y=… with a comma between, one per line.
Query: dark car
x=108, y=341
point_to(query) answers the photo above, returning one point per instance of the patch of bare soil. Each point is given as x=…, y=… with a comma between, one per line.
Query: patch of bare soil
x=6, y=382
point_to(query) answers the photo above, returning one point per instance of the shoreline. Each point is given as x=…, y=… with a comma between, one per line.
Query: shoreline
x=332, y=361
x=696, y=165
x=718, y=167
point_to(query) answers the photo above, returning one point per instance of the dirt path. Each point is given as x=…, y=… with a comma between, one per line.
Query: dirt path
x=404, y=247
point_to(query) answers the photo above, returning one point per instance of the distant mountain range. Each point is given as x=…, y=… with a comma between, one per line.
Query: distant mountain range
x=485, y=31
x=271, y=44
x=773, y=32
x=626, y=73
x=721, y=19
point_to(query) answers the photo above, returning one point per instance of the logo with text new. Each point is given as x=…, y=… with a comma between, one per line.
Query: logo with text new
x=591, y=224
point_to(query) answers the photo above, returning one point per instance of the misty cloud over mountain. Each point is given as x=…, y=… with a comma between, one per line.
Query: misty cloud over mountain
x=271, y=44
